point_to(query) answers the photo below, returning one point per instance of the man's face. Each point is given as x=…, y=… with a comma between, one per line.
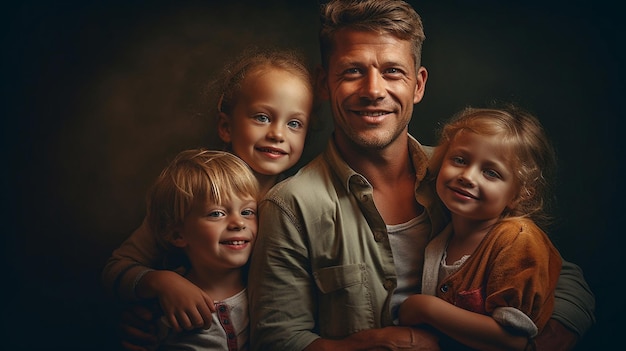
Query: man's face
x=372, y=85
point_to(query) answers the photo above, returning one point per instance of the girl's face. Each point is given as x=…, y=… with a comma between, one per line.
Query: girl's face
x=219, y=236
x=269, y=122
x=476, y=180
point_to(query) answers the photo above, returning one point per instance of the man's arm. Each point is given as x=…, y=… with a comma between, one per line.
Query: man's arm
x=573, y=311
x=280, y=285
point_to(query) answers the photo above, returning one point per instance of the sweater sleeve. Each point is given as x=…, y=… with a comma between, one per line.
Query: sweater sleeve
x=136, y=256
x=524, y=272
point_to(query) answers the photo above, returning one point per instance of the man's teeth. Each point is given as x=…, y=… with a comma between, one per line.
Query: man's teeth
x=372, y=114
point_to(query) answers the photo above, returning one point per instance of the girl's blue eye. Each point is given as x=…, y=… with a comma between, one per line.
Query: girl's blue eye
x=458, y=160
x=295, y=124
x=262, y=118
x=491, y=173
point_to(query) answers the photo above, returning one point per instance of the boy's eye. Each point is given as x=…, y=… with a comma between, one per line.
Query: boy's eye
x=216, y=214
x=248, y=212
x=262, y=118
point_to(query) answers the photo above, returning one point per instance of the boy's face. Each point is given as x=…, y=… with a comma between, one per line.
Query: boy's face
x=219, y=236
x=268, y=126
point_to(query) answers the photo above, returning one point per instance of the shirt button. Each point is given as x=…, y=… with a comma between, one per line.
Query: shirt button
x=388, y=284
x=378, y=236
x=444, y=288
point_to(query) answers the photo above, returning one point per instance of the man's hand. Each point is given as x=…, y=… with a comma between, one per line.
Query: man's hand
x=384, y=339
x=138, y=330
x=555, y=337
x=407, y=338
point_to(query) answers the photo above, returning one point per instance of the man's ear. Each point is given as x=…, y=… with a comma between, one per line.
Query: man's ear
x=224, y=127
x=420, y=86
x=321, y=83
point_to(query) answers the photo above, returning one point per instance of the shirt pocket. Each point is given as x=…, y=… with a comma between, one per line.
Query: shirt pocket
x=344, y=300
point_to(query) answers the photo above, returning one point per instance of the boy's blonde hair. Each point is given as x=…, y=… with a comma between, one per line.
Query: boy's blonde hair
x=532, y=156
x=194, y=177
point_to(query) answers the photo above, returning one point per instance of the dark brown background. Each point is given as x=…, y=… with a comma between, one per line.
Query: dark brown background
x=97, y=96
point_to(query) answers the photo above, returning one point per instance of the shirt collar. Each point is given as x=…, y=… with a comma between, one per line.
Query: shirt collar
x=419, y=155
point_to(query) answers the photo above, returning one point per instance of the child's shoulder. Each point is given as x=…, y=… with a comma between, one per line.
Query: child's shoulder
x=518, y=230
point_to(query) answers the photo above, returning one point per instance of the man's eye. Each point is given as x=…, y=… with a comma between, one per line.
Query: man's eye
x=352, y=71
x=394, y=73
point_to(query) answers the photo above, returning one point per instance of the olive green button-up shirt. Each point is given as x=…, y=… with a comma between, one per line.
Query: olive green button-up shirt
x=322, y=265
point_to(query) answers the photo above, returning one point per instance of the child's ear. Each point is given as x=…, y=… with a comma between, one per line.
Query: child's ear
x=321, y=88
x=176, y=239
x=513, y=203
x=224, y=127
x=525, y=194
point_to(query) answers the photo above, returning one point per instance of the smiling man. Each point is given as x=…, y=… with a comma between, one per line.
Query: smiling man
x=341, y=243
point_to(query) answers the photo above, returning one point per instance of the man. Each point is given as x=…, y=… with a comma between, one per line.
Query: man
x=341, y=243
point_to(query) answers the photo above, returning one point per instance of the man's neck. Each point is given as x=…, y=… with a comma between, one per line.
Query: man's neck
x=385, y=166
x=392, y=175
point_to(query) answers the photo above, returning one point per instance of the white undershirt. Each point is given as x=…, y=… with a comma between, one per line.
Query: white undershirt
x=408, y=241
